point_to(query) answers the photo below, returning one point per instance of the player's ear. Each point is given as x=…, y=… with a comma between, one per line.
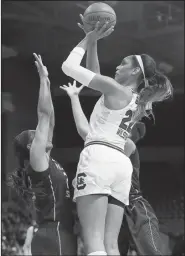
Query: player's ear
x=135, y=71
x=28, y=146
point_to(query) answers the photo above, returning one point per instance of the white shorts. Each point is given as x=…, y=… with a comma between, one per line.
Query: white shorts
x=103, y=170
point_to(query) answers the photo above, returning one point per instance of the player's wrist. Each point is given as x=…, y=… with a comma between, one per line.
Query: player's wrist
x=74, y=96
x=44, y=79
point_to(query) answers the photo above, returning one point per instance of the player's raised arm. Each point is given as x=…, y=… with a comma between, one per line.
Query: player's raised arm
x=81, y=121
x=52, y=120
x=38, y=157
x=92, y=61
x=71, y=67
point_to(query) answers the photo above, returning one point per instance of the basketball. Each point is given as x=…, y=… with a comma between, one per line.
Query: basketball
x=99, y=12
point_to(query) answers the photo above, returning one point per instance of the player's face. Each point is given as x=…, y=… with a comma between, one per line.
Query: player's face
x=124, y=70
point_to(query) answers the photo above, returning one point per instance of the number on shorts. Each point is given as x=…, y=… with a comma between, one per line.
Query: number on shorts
x=125, y=127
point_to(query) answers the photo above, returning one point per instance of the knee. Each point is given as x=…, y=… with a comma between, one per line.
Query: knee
x=93, y=237
x=111, y=247
x=111, y=244
x=94, y=242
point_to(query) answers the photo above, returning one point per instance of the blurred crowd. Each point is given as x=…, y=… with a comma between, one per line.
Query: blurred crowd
x=16, y=217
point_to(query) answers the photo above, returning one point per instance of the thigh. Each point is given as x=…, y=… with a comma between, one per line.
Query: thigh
x=113, y=221
x=120, y=188
x=92, y=211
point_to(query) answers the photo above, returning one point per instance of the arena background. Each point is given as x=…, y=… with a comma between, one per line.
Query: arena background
x=50, y=29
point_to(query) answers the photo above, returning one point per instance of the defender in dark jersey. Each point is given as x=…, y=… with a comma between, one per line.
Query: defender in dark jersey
x=140, y=226
x=42, y=178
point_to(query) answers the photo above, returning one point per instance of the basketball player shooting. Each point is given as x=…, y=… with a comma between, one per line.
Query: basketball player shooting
x=104, y=171
x=140, y=224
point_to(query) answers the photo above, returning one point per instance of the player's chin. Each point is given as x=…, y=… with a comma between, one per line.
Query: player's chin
x=49, y=148
x=116, y=78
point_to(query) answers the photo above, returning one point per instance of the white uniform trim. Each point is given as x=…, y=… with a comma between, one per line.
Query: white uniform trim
x=54, y=199
x=59, y=240
x=150, y=227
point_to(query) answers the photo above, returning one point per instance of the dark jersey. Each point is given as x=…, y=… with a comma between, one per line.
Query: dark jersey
x=135, y=187
x=52, y=196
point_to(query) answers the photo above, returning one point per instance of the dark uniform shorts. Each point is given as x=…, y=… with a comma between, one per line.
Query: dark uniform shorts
x=52, y=239
x=140, y=226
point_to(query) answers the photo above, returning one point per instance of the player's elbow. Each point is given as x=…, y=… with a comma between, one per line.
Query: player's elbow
x=37, y=148
x=66, y=68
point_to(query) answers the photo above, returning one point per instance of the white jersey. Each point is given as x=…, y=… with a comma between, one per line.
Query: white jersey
x=112, y=126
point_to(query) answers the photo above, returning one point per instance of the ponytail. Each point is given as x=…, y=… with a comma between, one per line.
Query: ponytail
x=158, y=89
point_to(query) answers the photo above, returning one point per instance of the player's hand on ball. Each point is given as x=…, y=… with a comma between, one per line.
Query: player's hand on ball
x=42, y=70
x=71, y=89
x=99, y=32
x=82, y=25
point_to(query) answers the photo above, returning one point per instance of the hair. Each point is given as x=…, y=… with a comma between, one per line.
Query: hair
x=159, y=88
x=138, y=131
x=19, y=178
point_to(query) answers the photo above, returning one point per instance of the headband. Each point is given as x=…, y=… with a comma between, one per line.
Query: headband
x=139, y=59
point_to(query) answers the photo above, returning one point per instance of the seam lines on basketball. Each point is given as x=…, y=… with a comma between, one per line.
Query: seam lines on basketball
x=98, y=12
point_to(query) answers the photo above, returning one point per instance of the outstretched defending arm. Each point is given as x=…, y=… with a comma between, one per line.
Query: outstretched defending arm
x=38, y=157
x=81, y=121
x=52, y=118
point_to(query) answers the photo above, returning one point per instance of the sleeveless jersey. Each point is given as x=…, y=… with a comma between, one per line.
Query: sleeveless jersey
x=111, y=126
x=52, y=197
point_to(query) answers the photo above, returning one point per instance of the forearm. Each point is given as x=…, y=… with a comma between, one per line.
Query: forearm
x=51, y=126
x=44, y=101
x=81, y=121
x=52, y=118
x=76, y=55
x=92, y=62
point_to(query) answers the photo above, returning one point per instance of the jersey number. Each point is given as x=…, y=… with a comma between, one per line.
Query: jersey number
x=123, y=126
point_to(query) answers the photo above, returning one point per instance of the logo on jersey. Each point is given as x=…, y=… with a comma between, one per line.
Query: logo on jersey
x=64, y=173
x=81, y=181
